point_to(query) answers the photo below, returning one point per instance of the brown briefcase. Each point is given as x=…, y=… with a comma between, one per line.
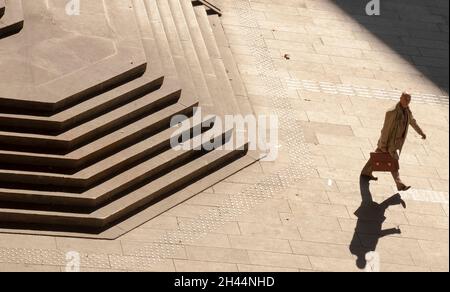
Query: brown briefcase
x=384, y=162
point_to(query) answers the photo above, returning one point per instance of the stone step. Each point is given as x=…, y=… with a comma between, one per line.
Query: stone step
x=114, y=231
x=117, y=210
x=201, y=49
x=173, y=65
x=73, y=88
x=148, y=37
x=190, y=31
x=234, y=76
x=98, y=127
x=186, y=64
x=207, y=34
x=153, y=152
x=96, y=150
x=231, y=106
x=71, y=117
x=199, y=65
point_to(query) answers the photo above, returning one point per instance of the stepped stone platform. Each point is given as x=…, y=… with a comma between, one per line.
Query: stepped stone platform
x=86, y=103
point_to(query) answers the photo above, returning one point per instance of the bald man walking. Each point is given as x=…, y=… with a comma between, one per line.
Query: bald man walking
x=393, y=137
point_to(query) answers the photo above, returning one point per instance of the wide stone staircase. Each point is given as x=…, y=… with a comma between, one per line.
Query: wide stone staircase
x=86, y=144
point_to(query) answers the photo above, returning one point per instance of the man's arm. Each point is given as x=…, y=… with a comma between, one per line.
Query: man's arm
x=416, y=127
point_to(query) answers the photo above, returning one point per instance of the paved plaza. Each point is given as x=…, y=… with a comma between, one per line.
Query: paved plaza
x=330, y=73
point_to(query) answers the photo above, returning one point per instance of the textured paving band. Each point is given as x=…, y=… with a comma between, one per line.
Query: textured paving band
x=362, y=91
x=300, y=167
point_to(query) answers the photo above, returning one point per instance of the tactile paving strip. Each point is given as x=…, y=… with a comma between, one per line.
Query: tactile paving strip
x=426, y=196
x=362, y=91
x=291, y=135
x=51, y=258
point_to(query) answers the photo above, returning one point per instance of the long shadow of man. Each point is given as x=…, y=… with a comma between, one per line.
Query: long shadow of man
x=371, y=217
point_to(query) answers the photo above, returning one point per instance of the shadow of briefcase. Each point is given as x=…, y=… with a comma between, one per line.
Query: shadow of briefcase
x=384, y=162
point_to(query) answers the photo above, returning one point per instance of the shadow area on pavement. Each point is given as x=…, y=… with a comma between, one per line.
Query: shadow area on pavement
x=369, y=228
x=416, y=30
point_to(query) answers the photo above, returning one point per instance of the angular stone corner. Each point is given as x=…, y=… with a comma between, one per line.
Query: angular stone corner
x=11, y=17
x=47, y=66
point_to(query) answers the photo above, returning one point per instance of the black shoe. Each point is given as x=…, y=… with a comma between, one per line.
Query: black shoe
x=403, y=188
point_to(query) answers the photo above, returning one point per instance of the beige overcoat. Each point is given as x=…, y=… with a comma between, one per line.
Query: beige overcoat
x=392, y=139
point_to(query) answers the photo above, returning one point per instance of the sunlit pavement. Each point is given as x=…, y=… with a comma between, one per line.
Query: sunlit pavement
x=309, y=225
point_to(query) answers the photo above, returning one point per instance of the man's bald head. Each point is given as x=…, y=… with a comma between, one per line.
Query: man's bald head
x=405, y=99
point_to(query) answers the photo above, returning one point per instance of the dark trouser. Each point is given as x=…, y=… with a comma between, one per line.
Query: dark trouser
x=368, y=171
